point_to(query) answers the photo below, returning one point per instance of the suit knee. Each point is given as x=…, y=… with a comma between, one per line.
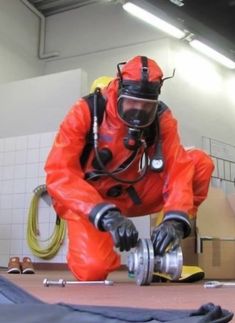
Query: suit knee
x=92, y=268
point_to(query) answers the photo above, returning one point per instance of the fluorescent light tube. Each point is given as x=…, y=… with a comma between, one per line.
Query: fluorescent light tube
x=153, y=20
x=201, y=47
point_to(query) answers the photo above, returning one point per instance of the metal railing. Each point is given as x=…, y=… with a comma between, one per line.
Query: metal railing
x=224, y=165
x=223, y=169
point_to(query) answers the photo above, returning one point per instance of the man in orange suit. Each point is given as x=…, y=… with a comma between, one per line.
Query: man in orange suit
x=136, y=165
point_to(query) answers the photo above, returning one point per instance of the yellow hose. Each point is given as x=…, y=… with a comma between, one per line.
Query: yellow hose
x=51, y=245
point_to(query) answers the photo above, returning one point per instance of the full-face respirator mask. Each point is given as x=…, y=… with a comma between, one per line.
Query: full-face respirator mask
x=137, y=114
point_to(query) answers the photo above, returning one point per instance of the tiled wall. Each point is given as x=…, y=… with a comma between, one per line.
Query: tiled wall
x=21, y=170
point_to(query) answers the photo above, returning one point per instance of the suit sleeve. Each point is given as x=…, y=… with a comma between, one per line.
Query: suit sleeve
x=179, y=169
x=64, y=175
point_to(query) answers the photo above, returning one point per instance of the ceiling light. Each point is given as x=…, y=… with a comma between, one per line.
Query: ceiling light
x=201, y=47
x=153, y=20
x=178, y=3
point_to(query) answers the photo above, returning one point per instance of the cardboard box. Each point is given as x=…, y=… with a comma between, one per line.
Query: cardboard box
x=216, y=236
x=216, y=217
x=189, y=250
x=231, y=200
x=217, y=257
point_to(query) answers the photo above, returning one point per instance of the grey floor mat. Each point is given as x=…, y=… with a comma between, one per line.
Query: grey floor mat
x=18, y=306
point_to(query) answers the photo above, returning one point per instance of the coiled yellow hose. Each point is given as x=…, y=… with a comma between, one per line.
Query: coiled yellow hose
x=45, y=249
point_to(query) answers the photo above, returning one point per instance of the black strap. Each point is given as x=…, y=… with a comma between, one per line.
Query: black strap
x=133, y=195
x=145, y=73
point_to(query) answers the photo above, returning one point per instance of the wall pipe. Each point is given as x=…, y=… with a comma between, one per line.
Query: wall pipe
x=42, y=32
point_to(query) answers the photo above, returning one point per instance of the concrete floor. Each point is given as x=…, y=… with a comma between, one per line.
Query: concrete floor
x=124, y=292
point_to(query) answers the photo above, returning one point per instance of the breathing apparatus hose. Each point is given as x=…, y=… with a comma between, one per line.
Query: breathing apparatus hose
x=48, y=248
x=96, y=146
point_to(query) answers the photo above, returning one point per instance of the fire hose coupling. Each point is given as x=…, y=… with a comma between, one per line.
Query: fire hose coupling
x=143, y=264
x=40, y=189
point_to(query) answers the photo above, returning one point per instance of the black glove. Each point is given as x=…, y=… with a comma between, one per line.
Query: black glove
x=167, y=234
x=123, y=230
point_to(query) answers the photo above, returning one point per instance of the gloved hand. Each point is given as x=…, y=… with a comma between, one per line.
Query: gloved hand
x=168, y=233
x=123, y=230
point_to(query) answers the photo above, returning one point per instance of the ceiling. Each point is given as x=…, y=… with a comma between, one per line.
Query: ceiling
x=216, y=16
x=52, y=7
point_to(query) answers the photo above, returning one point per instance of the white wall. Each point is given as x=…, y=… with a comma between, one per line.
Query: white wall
x=201, y=96
x=18, y=42
x=39, y=104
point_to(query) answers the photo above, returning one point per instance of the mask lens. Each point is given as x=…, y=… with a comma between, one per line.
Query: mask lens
x=137, y=112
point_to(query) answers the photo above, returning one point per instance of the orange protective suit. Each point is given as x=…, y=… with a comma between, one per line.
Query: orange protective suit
x=181, y=186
